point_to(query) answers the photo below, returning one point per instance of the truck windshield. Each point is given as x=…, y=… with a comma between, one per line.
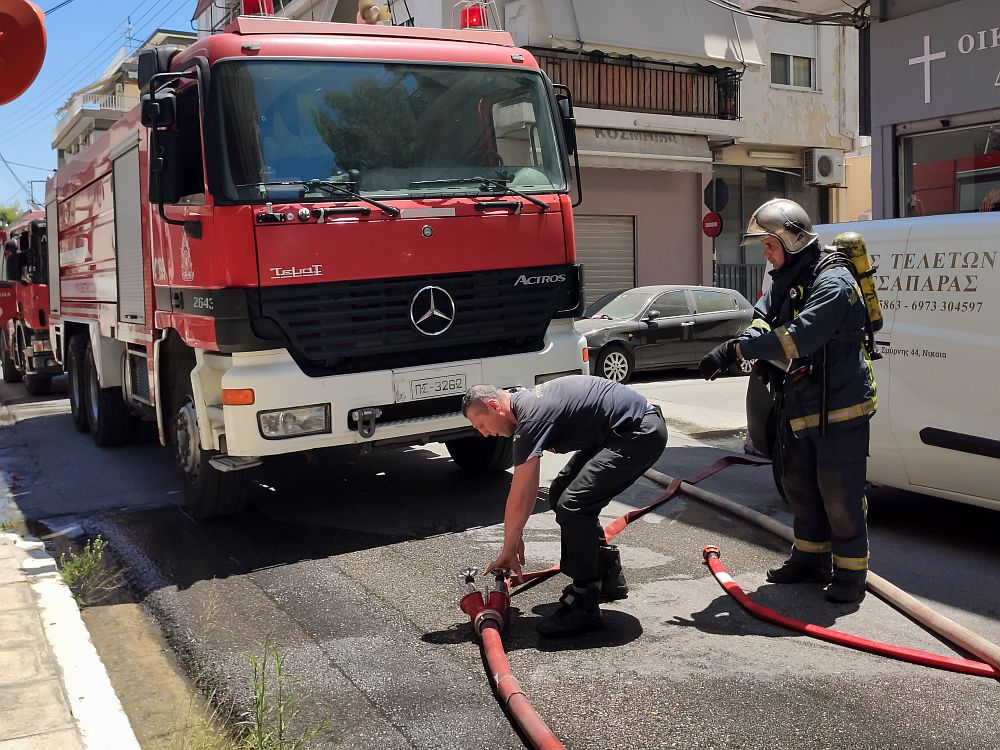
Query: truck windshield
x=382, y=129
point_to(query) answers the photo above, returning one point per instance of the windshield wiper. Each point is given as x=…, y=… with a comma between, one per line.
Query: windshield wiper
x=331, y=187
x=339, y=188
x=482, y=181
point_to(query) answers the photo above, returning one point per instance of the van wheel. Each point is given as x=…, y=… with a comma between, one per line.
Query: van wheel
x=484, y=455
x=76, y=358
x=38, y=385
x=615, y=362
x=10, y=372
x=208, y=492
x=108, y=415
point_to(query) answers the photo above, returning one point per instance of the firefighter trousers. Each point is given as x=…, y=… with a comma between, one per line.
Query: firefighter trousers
x=824, y=483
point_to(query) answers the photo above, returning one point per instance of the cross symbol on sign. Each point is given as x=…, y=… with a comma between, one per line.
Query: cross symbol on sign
x=925, y=60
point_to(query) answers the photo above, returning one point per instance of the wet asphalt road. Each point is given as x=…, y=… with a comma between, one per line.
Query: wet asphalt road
x=350, y=564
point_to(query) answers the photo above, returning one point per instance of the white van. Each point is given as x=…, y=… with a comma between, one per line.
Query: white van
x=937, y=430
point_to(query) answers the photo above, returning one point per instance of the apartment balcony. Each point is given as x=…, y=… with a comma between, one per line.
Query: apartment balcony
x=630, y=84
x=88, y=112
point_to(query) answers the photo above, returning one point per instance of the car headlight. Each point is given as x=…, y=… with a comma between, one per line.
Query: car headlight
x=295, y=422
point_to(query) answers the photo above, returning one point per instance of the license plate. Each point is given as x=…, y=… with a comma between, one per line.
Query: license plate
x=443, y=385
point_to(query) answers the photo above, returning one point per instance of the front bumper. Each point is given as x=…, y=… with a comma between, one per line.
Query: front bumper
x=279, y=383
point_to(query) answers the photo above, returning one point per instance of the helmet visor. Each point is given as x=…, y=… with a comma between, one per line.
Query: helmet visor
x=755, y=232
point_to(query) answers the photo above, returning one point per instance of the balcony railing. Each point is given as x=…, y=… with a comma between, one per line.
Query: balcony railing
x=633, y=85
x=92, y=102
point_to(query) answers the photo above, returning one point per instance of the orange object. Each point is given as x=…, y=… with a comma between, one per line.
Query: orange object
x=586, y=355
x=22, y=47
x=237, y=396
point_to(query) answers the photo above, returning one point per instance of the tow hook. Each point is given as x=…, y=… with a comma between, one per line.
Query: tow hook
x=485, y=607
x=365, y=419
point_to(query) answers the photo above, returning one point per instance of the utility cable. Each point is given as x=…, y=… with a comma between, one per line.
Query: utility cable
x=16, y=178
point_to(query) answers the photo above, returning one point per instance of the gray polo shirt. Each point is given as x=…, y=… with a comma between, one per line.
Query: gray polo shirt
x=571, y=413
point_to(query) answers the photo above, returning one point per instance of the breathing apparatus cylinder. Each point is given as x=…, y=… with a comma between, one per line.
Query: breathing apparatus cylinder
x=852, y=245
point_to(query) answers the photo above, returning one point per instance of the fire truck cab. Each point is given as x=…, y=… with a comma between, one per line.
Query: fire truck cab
x=25, y=350
x=312, y=235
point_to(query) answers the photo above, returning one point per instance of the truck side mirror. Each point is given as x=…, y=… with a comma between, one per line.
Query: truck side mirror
x=159, y=110
x=164, y=182
x=154, y=61
x=568, y=121
x=11, y=261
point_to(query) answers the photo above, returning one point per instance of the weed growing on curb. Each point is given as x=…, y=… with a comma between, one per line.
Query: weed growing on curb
x=274, y=711
x=88, y=574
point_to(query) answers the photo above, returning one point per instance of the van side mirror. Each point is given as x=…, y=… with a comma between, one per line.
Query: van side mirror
x=159, y=110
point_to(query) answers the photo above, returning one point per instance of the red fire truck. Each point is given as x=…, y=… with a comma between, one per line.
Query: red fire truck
x=312, y=235
x=25, y=350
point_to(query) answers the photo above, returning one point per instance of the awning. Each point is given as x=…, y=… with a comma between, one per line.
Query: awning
x=815, y=10
x=615, y=148
x=669, y=31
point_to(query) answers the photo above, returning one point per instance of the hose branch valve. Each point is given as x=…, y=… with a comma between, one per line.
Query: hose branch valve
x=489, y=608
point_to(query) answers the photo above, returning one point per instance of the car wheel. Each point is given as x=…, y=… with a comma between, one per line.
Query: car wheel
x=616, y=363
x=742, y=367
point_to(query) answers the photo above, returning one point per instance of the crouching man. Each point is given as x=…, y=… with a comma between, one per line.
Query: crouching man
x=616, y=434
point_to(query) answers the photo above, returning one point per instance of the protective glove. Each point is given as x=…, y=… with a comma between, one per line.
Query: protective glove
x=719, y=360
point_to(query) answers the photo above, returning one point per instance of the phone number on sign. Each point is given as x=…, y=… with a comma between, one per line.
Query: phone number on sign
x=965, y=306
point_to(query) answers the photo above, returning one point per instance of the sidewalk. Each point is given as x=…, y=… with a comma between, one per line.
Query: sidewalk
x=54, y=691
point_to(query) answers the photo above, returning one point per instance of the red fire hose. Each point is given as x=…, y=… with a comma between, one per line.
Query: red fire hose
x=488, y=613
x=950, y=663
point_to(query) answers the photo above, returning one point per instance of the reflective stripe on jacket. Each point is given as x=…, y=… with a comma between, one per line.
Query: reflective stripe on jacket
x=833, y=303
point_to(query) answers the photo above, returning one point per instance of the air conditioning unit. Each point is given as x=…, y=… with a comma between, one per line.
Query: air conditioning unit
x=823, y=166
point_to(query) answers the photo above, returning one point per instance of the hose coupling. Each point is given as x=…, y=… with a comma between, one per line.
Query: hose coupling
x=711, y=552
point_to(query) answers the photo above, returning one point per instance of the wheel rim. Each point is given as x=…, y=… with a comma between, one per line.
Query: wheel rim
x=615, y=366
x=746, y=365
x=186, y=441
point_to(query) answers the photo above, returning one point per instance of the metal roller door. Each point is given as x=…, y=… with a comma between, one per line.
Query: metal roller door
x=605, y=245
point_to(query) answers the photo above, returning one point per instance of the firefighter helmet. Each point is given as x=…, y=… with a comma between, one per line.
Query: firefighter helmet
x=784, y=220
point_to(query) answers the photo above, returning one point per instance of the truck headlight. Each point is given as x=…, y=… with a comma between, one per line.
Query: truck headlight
x=295, y=422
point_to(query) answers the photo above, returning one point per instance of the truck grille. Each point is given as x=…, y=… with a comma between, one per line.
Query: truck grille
x=357, y=326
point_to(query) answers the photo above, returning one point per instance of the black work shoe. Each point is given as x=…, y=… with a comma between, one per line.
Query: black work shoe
x=609, y=568
x=796, y=572
x=578, y=613
x=845, y=592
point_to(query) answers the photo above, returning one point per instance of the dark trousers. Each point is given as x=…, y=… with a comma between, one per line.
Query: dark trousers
x=591, y=479
x=824, y=483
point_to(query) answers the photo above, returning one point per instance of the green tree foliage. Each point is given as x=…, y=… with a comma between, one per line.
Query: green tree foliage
x=9, y=213
x=371, y=126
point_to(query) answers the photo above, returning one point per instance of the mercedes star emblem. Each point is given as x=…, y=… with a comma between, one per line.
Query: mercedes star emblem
x=432, y=311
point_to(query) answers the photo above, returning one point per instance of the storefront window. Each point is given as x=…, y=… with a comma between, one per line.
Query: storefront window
x=955, y=171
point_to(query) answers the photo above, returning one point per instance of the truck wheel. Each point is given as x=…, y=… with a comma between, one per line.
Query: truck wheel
x=38, y=385
x=208, y=492
x=10, y=372
x=108, y=415
x=484, y=455
x=76, y=357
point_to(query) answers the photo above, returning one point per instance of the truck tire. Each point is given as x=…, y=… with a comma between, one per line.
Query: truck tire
x=76, y=370
x=208, y=492
x=108, y=415
x=10, y=372
x=38, y=385
x=484, y=455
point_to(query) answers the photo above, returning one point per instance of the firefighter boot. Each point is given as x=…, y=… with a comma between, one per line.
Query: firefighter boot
x=848, y=586
x=578, y=613
x=792, y=571
x=609, y=568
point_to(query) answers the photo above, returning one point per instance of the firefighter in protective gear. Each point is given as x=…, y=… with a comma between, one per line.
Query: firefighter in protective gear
x=812, y=321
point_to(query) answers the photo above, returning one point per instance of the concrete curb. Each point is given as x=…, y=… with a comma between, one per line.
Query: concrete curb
x=95, y=707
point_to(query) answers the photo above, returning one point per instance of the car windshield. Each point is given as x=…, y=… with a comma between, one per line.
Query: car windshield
x=623, y=307
x=383, y=129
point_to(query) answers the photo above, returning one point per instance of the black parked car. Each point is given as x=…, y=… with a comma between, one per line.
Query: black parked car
x=659, y=327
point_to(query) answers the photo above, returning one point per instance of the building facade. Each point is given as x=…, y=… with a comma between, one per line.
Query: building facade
x=935, y=110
